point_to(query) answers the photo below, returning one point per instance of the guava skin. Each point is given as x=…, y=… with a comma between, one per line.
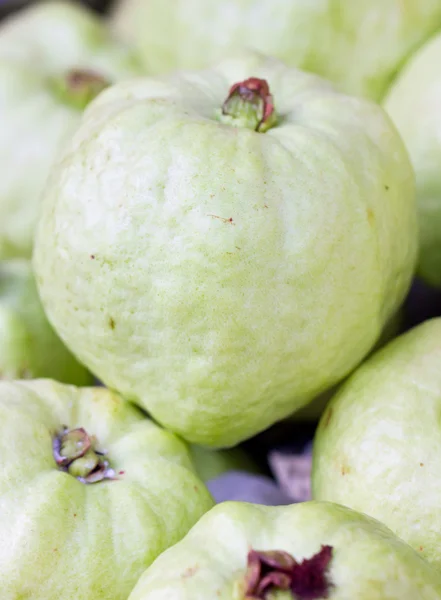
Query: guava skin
x=413, y=103
x=211, y=273
x=377, y=446
x=29, y=347
x=368, y=562
x=64, y=539
x=37, y=46
x=357, y=45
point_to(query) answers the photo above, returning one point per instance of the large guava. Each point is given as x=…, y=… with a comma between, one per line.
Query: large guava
x=54, y=58
x=359, y=45
x=308, y=551
x=378, y=445
x=29, y=347
x=221, y=256
x=413, y=103
x=91, y=492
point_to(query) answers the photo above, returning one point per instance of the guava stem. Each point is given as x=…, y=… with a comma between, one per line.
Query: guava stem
x=75, y=452
x=249, y=105
x=78, y=87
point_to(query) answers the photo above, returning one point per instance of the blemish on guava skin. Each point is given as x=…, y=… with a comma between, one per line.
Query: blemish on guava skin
x=327, y=418
x=421, y=464
x=190, y=572
x=225, y=220
x=112, y=323
x=386, y=187
x=370, y=216
x=345, y=470
x=420, y=548
x=92, y=256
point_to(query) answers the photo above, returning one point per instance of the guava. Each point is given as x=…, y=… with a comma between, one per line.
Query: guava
x=29, y=347
x=222, y=246
x=358, y=45
x=378, y=445
x=413, y=103
x=54, y=58
x=91, y=492
x=209, y=464
x=307, y=551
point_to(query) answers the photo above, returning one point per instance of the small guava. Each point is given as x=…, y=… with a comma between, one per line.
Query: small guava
x=307, y=551
x=91, y=492
x=29, y=347
x=413, y=103
x=378, y=444
x=54, y=58
x=212, y=463
x=222, y=246
x=357, y=45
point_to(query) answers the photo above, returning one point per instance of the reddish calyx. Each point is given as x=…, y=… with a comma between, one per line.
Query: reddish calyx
x=277, y=570
x=250, y=105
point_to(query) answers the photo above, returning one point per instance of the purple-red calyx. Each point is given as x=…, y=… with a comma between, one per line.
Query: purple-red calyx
x=277, y=570
x=250, y=105
x=76, y=453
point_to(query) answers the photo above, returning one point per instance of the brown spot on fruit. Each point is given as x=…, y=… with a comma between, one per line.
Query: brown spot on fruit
x=112, y=323
x=421, y=464
x=386, y=187
x=327, y=418
x=92, y=256
x=420, y=548
x=345, y=470
x=190, y=571
x=370, y=216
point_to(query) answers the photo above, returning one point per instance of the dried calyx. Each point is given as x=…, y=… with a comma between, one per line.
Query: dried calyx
x=78, y=87
x=249, y=105
x=277, y=571
x=76, y=453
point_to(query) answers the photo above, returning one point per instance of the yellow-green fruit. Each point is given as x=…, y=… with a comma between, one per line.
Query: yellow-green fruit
x=91, y=492
x=378, y=445
x=413, y=103
x=317, y=550
x=220, y=252
x=29, y=347
x=54, y=58
x=357, y=44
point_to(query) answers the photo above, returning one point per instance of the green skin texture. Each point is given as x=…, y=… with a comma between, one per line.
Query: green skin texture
x=377, y=447
x=220, y=328
x=64, y=539
x=213, y=463
x=39, y=43
x=357, y=45
x=368, y=563
x=413, y=103
x=29, y=347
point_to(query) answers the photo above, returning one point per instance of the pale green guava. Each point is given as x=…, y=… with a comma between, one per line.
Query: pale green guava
x=307, y=551
x=222, y=262
x=54, y=58
x=357, y=44
x=29, y=347
x=91, y=492
x=378, y=445
x=413, y=102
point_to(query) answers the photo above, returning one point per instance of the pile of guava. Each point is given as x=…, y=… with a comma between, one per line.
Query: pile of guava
x=213, y=220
